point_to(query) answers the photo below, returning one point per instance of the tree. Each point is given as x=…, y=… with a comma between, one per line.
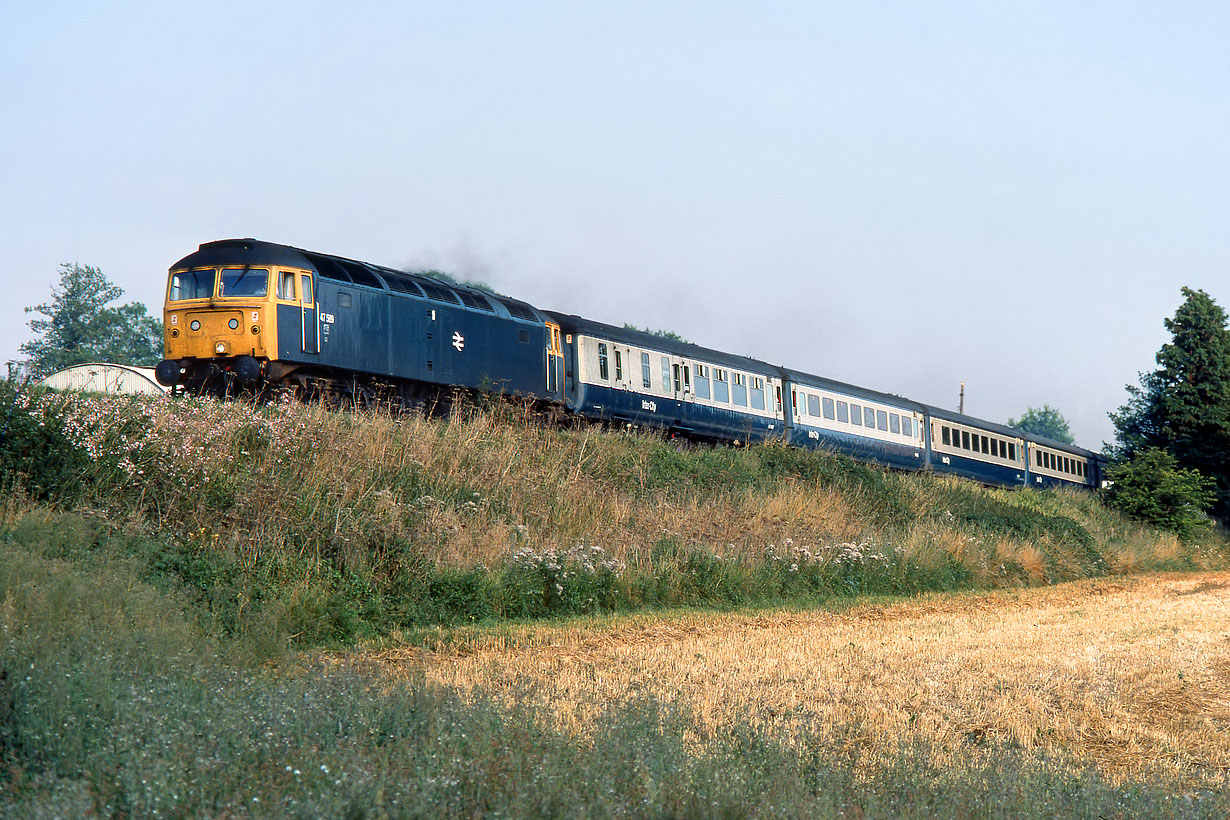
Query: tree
x=1044, y=421
x=1183, y=407
x=81, y=328
x=1151, y=486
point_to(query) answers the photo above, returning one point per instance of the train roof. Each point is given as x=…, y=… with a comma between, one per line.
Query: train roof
x=639, y=338
x=352, y=271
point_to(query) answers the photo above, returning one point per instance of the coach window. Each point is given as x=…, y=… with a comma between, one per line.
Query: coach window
x=602, y=368
x=721, y=388
x=813, y=405
x=907, y=426
x=965, y=440
x=738, y=392
x=286, y=285
x=946, y=437
x=1011, y=451
x=678, y=384
x=986, y=445
x=757, y=393
x=666, y=374
x=700, y=381
x=882, y=420
x=995, y=447
x=894, y=423
x=856, y=415
x=843, y=412
x=830, y=409
x=869, y=418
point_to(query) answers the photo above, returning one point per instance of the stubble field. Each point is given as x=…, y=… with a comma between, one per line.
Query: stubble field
x=1131, y=676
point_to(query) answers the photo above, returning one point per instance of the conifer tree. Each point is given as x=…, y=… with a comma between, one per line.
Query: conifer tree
x=1183, y=407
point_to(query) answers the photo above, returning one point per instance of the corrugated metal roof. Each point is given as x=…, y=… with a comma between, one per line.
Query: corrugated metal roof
x=99, y=377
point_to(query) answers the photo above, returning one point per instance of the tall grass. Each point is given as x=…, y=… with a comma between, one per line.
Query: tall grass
x=347, y=525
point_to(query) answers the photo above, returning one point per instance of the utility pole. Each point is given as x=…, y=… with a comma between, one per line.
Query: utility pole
x=961, y=406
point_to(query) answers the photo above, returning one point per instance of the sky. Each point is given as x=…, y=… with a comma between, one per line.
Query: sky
x=907, y=196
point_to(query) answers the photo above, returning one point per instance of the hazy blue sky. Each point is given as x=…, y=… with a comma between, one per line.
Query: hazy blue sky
x=903, y=195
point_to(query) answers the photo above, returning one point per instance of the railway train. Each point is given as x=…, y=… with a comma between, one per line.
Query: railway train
x=247, y=314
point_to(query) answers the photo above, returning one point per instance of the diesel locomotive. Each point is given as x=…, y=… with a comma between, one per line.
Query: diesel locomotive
x=242, y=314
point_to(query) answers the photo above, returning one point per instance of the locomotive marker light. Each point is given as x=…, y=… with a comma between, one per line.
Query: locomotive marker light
x=459, y=341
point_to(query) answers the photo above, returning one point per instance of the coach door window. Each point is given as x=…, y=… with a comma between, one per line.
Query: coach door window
x=619, y=367
x=646, y=376
x=602, y=365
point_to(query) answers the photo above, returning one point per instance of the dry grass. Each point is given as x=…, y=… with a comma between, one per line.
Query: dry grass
x=1131, y=675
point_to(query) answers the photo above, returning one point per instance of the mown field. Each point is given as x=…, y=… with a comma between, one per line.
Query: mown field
x=215, y=610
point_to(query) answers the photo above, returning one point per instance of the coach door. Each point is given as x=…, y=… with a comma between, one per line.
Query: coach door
x=555, y=361
x=307, y=314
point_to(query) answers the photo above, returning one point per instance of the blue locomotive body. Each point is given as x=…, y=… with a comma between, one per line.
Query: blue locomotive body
x=356, y=326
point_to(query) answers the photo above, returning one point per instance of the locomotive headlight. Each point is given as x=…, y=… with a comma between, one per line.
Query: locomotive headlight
x=233, y=324
x=256, y=329
x=174, y=333
x=220, y=348
x=195, y=325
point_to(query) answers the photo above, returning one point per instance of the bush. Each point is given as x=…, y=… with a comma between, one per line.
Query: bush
x=34, y=450
x=1152, y=487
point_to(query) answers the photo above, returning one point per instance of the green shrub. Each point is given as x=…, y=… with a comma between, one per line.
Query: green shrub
x=1152, y=487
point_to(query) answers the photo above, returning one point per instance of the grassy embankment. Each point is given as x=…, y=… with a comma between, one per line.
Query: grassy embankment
x=161, y=561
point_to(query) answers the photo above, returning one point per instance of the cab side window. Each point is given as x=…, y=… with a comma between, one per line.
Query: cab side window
x=286, y=285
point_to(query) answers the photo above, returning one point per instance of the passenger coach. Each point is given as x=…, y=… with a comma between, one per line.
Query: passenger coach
x=862, y=423
x=643, y=379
